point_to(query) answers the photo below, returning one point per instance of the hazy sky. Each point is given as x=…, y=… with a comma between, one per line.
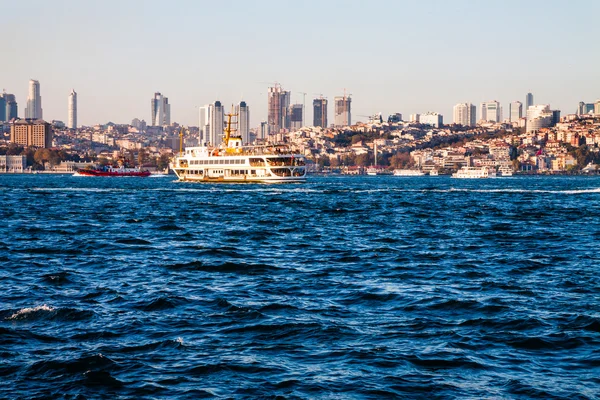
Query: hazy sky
x=392, y=56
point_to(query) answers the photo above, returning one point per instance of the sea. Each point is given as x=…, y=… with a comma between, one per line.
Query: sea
x=338, y=288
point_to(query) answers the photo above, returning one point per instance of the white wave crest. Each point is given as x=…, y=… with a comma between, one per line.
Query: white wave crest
x=22, y=313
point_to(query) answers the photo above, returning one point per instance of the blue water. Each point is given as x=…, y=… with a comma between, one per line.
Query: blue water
x=343, y=287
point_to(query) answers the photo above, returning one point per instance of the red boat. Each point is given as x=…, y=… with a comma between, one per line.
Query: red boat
x=113, y=171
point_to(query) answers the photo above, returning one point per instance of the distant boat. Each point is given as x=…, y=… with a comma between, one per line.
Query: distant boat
x=408, y=172
x=471, y=173
x=112, y=171
x=433, y=172
x=505, y=171
x=374, y=170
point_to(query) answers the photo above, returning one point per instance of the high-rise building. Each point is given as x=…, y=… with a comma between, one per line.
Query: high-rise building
x=541, y=116
x=243, y=112
x=2, y=108
x=33, y=110
x=432, y=118
x=204, y=123
x=320, y=112
x=12, y=110
x=215, y=134
x=516, y=111
x=597, y=107
x=415, y=118
x=528, y=101
x=161, y=110
x=72, y=117
x=264, y=130
x=278, y=103
x=465, y=114
x=29, y=132
x=296, y=117
x=491, y=111
x=342, y=108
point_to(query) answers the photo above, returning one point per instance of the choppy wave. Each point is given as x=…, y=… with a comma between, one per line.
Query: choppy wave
x=337, y=288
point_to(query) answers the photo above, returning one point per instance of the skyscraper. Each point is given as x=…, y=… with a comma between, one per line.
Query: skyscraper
x=12, y=110
x=216, y=124
x=296, y=117
x=320, y=112
x=161, y=110
x=33, y=110
x=343, y=115
x=278, y=102
x=528, y=101
x=204, y=123
x=465, y=114
x=491, y=111
x=72, y=119
x=243, y=112
x=2, y=108
x=516, y=111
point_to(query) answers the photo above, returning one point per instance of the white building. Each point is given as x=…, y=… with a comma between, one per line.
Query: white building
x=432, y=118
x=243, y=112
x=16, y=164
x=465, y=114
x=72, y=118
x=491, y=111
x=415, y=118
x=161, y=110
x=33, y=109
x=516, y=111
x=343, y=115
x=539, y=116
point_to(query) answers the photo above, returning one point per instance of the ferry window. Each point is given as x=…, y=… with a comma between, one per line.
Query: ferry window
x=253, y=172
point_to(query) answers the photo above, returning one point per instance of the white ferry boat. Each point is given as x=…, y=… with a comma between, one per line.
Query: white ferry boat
x=505, y=171
x=377, y=171
x=233, y=162
x=471, y=173
x=408, y=172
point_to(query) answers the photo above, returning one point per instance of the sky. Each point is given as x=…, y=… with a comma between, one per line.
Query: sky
x=407, y=56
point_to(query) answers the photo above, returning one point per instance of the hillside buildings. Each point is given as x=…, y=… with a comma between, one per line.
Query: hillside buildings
x=343, y=114
x=31, y=133
x=465, y=114
x=320, y=112
x=72, y=104
x=33, y=110
x=161, y=110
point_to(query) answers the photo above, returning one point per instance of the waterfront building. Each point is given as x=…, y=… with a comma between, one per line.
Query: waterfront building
x=296, y=117
x=320, y=112
x=243, y=112
x=161, y=110
x=491, y=111
x=465, y=114
x=432, y=118
x=278, y=102
x=528, y=101
x=516, y=111
x=343, y=114
x=31, y=133
x=33, y=110
x=72, y=118
x=14, y=164
x=215, y=133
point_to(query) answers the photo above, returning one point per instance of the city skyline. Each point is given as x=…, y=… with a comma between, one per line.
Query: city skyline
x=406, y=82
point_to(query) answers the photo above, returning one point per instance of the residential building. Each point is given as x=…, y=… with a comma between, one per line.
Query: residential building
x=528, y=101
x=33, y=110
x=215, y=134
x=161, y=110
x=31, y=133
x=432, y=118
x=296, y=117
x=72, y=118
x=343, y=114
x=278, y=102
x=465, y=114
x=491, y=111
x=516, y=111
x=320, y=112
x=243, y=112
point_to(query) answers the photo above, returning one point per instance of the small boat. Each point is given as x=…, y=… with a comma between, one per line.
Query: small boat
x=433, y=172
x=505, y=171
x=375, y=170
x=112, y=171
